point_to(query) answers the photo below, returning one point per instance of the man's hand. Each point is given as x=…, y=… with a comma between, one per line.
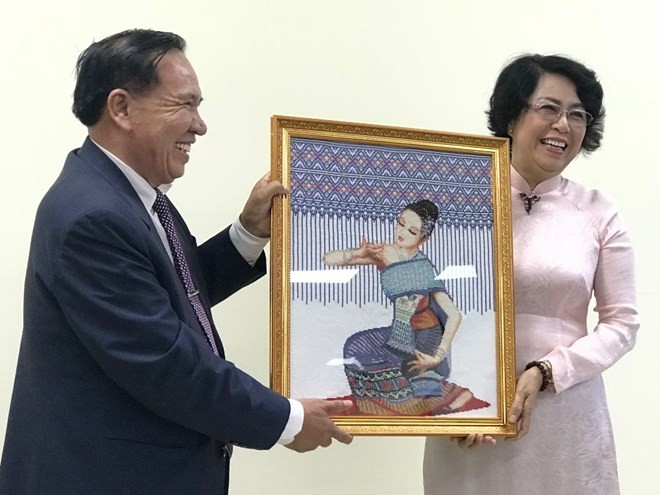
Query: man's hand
x=256, y=212
x=318, y=429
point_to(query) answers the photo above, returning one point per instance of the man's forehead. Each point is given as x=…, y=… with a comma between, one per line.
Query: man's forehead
x=176, y=74
x=175, y=62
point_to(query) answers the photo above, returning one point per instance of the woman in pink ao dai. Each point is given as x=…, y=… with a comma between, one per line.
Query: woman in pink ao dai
x=569, y=243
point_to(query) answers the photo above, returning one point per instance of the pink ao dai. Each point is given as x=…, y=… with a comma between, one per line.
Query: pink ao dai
x=572, y=245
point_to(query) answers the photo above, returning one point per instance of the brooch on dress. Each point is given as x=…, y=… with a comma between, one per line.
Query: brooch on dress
x=529, y=201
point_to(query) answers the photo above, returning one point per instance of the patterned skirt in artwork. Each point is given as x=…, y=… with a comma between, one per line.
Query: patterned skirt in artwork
x=380, y=385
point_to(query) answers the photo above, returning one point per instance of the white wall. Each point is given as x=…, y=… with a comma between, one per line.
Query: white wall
x=424, y=64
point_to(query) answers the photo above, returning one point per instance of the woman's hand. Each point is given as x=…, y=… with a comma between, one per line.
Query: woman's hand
x=529, y=384
x=366, y=249
x=425, y=362
x=376, y=252
x=473, y=440
x=357, y=256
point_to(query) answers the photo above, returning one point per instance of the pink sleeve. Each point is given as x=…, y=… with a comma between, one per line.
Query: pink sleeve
x=614, y=335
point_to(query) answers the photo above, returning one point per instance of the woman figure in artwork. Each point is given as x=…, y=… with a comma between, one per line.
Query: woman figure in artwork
x=402, y=369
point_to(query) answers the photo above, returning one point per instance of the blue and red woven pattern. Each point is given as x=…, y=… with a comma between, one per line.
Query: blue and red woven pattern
x=376, y=182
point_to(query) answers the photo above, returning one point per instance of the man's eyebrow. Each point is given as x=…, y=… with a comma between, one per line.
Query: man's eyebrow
x=190, y=96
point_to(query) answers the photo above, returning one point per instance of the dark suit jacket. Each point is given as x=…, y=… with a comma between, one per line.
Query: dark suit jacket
x=117, y=390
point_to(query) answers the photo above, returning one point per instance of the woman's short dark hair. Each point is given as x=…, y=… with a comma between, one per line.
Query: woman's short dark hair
x=519, y=79
x=124, y=60
x=427, y=212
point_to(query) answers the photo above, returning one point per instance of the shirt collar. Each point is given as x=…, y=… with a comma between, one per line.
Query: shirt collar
x=143, y=189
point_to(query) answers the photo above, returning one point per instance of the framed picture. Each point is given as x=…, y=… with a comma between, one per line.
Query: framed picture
x=391, y=276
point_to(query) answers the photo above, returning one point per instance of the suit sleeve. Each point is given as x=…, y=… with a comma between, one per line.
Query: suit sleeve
x=114, y=295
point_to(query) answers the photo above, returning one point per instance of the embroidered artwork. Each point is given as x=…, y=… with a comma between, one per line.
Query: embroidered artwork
x=392, y=279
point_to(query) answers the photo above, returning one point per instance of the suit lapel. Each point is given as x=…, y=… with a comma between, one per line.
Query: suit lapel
x=92, y=156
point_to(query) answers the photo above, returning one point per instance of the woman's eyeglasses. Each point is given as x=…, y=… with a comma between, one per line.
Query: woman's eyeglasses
x=552, y=112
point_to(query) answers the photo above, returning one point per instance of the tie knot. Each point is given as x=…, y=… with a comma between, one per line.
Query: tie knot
x=160, y=204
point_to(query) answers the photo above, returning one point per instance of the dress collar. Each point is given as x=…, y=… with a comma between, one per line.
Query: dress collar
x=520, y=184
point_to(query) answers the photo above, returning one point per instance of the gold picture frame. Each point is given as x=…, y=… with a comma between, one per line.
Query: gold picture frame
x=409, y=315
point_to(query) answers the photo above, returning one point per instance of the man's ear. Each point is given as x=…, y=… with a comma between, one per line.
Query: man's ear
x=117, y=105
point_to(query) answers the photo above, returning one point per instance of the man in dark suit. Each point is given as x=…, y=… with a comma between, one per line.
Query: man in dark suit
x=121, y=385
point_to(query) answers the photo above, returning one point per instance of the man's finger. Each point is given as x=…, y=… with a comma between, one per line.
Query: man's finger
x=335, y=406
x=341, y=435
x=273, y=188
x=326, y=441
